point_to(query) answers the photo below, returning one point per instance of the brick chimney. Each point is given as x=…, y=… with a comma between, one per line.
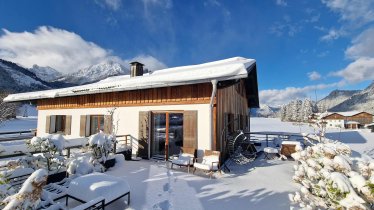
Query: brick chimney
x=136, y=69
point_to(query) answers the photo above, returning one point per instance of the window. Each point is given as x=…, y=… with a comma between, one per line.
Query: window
x=92, y=124
x=58, y=124
x=96, y=123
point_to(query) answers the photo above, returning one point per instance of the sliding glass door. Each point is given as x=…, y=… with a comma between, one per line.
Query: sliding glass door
x=167, y=134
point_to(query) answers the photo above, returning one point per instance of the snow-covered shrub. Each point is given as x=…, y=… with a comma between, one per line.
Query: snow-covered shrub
x=101, y=145
x=330, y=179
x=51, y=147
x=28, y=196
x=82, y=165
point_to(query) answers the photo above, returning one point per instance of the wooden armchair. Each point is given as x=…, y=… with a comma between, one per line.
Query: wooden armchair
x=185, y=158
x=209, y=162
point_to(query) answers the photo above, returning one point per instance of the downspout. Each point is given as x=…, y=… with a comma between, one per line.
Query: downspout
x=211, y=127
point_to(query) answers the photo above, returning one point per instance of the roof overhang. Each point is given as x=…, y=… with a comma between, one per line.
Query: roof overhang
x=223, y=70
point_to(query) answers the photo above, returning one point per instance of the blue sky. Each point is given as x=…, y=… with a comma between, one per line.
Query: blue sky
x=300, y=46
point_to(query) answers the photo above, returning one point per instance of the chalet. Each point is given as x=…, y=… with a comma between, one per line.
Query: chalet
x=161, y=111
x=347, y=120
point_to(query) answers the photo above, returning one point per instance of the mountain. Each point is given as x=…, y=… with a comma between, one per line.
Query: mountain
x=47, y=73
x=265, y=111
x=361, y=101
x=15, y=78
x=334, y=98
x=94, y=73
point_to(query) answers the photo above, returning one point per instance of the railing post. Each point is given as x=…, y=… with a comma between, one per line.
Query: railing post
x=267, y=141
x=68, y=153
x=115, y=147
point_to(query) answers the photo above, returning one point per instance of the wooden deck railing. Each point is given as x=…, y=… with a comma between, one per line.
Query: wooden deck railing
x=67, y=150
x=12, y=135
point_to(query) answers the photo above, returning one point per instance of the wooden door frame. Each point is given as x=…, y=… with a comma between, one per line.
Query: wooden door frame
x=166, y=112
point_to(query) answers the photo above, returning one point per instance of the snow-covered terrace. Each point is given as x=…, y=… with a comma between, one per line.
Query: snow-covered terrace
x=263, y=184
x=232, y=68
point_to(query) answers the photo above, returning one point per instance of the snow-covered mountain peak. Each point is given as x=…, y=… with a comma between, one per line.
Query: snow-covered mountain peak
x=95, y=73
x=45, y=73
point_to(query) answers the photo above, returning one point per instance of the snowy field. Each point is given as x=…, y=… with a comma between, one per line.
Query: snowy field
x=360, y=141
x=19, y=124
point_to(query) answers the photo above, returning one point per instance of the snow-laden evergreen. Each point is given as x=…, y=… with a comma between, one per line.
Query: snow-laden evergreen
x=330, y=178
x=297, y=110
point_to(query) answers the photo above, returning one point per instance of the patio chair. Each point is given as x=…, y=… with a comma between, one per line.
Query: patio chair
x=185, y=158
x=270, y=152
x=209, y=162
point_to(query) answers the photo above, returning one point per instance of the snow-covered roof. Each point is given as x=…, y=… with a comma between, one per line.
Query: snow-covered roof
x=228, y=69
x=345, y=114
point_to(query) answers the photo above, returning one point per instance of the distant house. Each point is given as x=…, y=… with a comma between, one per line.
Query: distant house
x=347, y=120
x=186, y=106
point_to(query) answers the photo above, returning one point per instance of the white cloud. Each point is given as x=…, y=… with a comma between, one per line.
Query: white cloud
x=360, y=70
x=60, y=49
x=282, y=96
x=110, y=4
x=362, y=51
x=282, y=3
x=290, y=29
x=314, y=75
x=362, y=45
x=150, y=62
x=333, y=34
x=354, y=11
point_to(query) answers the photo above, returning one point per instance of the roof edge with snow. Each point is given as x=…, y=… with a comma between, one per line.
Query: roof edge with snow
x=222, y=70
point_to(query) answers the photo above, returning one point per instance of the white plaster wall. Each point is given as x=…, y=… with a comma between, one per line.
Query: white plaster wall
x=335, y=123
x=128, y=120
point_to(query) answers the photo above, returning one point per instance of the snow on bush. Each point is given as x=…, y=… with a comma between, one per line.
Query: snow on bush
x=51, y=147
x=29, y=195
x=82, y=165
x=101, y=145
x=330, y=179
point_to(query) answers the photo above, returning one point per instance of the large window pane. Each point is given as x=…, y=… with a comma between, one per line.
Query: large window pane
x=96, y=124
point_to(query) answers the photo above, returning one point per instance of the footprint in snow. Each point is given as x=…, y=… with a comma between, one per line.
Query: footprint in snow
x=166, y=187
x=164, y=205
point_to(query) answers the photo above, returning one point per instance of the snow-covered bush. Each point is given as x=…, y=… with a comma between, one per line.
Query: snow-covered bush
x=82, y=165
x=101, y=145
x=51, y=147
x=28, y=196
x=330, y=179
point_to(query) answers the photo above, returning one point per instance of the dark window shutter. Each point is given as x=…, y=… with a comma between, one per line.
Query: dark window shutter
x=88, y=125
x=190, y=129
x=144, y=126
x=82, y=130
x=236, y=122
x=68, y=125
x=108, y=124
x=48, y=124
x=52, y=124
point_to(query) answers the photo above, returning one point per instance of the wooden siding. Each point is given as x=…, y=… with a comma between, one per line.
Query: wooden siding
x=334, y=117
x=362, y=117
x=231, y=107
x=187, y=94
